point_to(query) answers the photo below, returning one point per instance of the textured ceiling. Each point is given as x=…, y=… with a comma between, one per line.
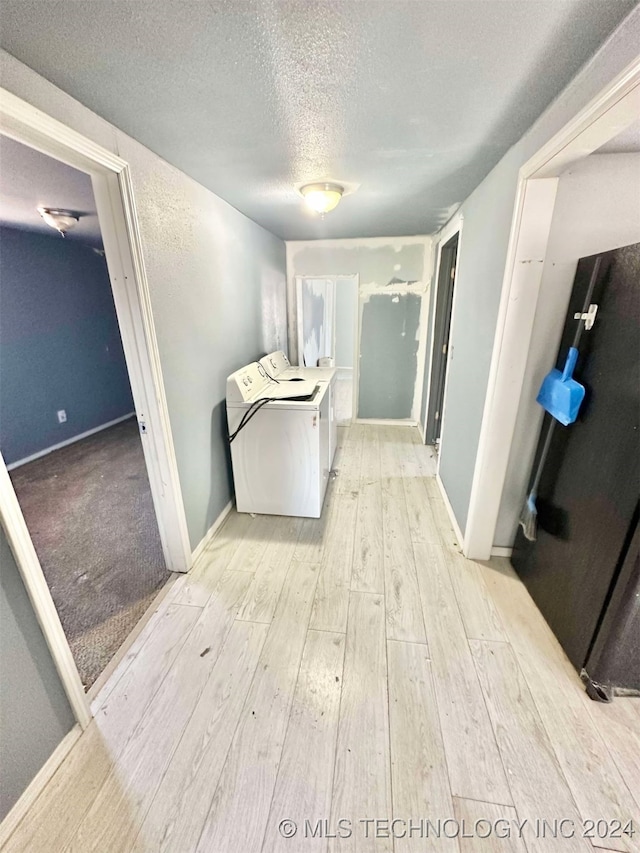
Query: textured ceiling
x=29, y=179
x=410, y=101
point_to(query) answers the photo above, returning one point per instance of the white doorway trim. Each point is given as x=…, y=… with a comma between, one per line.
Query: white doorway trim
x=335, y=280
x=115, y=205
x=612, y=111
x=355, y=376
x=40, y=596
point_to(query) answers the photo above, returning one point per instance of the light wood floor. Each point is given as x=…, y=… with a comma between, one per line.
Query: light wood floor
x=353, y=668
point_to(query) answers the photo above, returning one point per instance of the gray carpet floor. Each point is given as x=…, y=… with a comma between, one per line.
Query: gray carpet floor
x=90, y=514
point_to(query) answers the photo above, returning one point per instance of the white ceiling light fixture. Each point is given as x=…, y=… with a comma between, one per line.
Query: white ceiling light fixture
x=322, y=197
x=61, y=220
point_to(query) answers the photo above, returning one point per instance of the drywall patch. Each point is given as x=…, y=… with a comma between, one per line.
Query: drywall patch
x=392, y=288
x=388, y=355
x=395, y=281
x=373, y=263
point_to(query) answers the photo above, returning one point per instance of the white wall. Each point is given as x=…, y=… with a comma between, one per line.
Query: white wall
x=487, y=222
x=597, y=208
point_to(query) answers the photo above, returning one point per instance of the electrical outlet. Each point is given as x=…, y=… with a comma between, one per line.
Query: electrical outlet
x=62, y=416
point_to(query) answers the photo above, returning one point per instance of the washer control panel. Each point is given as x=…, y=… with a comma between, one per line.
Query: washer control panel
x=248, y=383
x=275, y=363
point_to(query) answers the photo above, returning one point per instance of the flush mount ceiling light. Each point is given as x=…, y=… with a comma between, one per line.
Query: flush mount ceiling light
x=61, y=220
x=322, y=197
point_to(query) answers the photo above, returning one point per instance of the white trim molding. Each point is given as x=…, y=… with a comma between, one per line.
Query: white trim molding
x=204, y=543
x=386, y=422
x=117, y=216
x=38, y=591
x=451, y=227
x=613, y=110
x=451, y=513
x=123, y=247
x=37, y=785
x=118, y=220
x=511, y=350
x=499, y=551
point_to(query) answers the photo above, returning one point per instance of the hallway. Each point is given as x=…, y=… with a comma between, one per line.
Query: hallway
x=352, y=668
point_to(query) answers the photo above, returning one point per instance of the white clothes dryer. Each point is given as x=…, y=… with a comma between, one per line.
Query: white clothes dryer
x=278, y=367
x=280, y=437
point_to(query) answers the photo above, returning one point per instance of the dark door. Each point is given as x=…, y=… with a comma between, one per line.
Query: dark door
x=614, y=659
x=590, y=483
x=441, y=331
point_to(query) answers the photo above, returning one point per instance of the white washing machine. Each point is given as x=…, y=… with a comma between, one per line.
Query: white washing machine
x=277, y=366
x=280, y=437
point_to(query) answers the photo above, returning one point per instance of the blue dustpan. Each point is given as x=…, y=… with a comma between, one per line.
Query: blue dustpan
x=560, y=394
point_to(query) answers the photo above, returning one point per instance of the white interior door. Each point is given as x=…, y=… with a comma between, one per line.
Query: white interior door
x=316, y=319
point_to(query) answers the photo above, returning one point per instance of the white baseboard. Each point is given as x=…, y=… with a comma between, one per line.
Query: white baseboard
x=386, y=422
x=344, y=373
x=211, y=532
x=37, y=784
x=68, y=441
x=452, y=517
x=496, y=551
x=500, y=551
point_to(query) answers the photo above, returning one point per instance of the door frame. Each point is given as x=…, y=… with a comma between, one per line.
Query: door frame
x=355, y=277
x=113, y=191
x=453, y=228
x=614, y=109
x=299, y=318
x=356, y=349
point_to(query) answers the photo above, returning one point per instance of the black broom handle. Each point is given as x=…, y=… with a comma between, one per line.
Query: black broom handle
x=587, y=300
x=576, y=341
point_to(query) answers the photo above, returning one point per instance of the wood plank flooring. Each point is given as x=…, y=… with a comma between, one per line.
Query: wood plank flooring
x=352, y=678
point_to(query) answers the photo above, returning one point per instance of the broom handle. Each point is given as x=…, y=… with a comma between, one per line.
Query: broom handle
x=587, y=300
x=576, y=340
x=543, y=457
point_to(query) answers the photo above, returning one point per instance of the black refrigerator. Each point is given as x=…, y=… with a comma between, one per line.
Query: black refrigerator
x=583, y=569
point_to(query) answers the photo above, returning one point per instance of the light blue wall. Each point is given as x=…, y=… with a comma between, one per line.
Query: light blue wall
x=60, y=345
x=218, y=294
x=483, y=249
x=481, y=262
x=34, y=711
x=388, y=356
